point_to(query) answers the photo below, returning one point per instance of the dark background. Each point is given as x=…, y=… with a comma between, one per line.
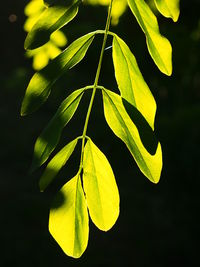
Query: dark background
x=158, y=224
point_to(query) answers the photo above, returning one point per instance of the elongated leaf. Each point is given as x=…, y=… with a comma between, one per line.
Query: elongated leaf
x=54, y=166
x=52, y=19
x=168, y=8
x=159, y=47
x=49, y=138
x=100, y=187
x=40, y=85
x=123, y=127
x=68, y=220
x=130, y=82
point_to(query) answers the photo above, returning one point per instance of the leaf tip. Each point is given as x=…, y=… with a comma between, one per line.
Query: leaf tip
x=23, y=112
x=27, y=43
x=42, y=184
x=41, y=188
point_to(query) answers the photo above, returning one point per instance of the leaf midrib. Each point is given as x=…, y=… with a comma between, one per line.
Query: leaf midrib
x=132, y=92
x=95, y=171
x=141, y=21
x=61, y=128
x=127, y=131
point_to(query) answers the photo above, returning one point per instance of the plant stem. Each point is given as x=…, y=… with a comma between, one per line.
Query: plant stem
x=95, y=82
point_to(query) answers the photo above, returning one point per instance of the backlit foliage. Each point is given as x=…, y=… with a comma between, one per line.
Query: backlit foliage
x=130, y=114
x=51, y=49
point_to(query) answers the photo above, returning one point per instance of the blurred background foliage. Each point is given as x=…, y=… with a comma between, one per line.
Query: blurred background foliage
x=158, y=224
x=50, y=50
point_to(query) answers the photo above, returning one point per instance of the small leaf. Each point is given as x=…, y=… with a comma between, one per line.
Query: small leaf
x=100, y=188
x=131, y=84
x=168, y=8
x=53, y=18
x=40, y=85
x=50, y=136
x=159, y=47
x=68, y=219
x=57, y=162
x=123, y=127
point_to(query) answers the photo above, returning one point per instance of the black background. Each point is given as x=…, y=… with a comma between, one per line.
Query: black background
x=158, y=224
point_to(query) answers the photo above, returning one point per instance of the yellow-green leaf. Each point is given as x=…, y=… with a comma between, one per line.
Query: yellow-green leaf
x=124, y=128
x=168, y=8
x=57, y=162
x=130, y=81
x=53, y=18
x=159, y=47
x=50, y=136
x=100, y=187
x=40, y=85
x=68, y=219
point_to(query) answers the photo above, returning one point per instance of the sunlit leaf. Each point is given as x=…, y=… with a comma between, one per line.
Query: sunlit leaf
x=40, y=59
x=168, y=8
x=40, y=85
x=159, y=47
x=100, y=187
x=123, y=127
x=52, y=19
x=34, y=7
x=50, y=136
x=59, y=38
x=130, y=82
x=68, y=219
x=54, y=166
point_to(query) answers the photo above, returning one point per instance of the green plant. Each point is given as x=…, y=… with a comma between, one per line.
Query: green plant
x=52, y=48
x=129, y=115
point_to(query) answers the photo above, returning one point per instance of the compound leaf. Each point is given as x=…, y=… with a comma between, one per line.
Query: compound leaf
x=53, y=18
x=57, y=162
x=100, y=187
x=159, y=47
x=40, y=85
x=124, y=128
x=68, y=219
x=130, y=81
x=50, y=136
x=168, y=8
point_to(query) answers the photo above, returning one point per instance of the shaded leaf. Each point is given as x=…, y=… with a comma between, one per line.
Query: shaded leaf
x=50, y=136
x=100, y=187
x=40, y=85
x=159, y=47
x=68, y=221
x=53, y=18
x=130, y=82
x=57, y=162
x=168, y=8
x=124, y=128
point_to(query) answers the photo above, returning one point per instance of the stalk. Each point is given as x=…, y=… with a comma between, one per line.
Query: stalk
x=95, y=82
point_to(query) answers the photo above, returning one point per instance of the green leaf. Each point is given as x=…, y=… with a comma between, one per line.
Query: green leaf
x=100, y=187
x=68, y=219
x=130, y=82
x=50, y=136
x=159, y=47
x=57, y=162
x=40, y=85
x=124, y=128
x=168, y=8
x=53, y=18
